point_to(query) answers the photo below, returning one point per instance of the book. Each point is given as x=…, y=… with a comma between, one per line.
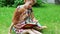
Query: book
x=28, y=26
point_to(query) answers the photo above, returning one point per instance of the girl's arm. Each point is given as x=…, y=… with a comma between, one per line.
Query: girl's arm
x=33, y=18
x=10, y=29
x=32, y=15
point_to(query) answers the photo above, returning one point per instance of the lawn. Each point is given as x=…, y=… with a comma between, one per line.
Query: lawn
x=48, y=15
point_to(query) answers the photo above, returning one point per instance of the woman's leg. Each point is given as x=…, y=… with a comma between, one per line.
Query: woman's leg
x=37, y=32
x=28, y=31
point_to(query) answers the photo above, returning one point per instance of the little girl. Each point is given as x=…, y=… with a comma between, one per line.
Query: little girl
x=26, y=17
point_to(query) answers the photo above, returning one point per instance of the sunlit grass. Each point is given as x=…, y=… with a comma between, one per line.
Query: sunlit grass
x=48, y=15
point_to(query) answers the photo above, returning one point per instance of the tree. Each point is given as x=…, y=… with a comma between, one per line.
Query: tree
x=57, y=1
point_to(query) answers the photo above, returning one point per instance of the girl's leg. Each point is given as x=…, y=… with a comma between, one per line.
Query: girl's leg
x=37, y=32
x=28, y=31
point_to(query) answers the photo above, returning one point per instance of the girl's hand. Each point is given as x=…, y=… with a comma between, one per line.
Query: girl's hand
x=34, y=20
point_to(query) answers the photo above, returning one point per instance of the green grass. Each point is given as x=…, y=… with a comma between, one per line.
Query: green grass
x=48, y=15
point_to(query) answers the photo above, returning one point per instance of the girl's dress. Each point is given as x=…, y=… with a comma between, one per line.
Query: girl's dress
x=27, y=21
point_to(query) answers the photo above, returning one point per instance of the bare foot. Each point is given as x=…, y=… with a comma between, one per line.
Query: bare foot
x=43, y=27
x=9, y=33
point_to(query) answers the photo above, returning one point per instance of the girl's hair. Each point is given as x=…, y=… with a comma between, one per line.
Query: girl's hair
x=17, y=15
x=34, y=1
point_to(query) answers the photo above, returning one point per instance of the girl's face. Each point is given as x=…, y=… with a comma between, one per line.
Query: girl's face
x=32, y=2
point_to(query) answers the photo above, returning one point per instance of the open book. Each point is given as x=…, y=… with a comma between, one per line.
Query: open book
x=28, y=26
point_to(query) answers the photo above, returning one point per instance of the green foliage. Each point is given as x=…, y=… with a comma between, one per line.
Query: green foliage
x=6, y=2
x=38, y=3
x=20, y=2
x=16, y=2
x=2, y=3
x=9, y=2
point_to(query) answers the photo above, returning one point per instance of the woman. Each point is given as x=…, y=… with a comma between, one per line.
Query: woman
x=24, y=15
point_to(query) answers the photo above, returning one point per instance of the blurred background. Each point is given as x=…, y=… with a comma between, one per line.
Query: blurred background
x=47, y=12
x=14, y=3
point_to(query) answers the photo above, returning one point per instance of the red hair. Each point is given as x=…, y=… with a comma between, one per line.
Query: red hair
x=17, y=15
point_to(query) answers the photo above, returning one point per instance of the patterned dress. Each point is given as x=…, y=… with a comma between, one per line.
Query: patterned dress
x=27, y=21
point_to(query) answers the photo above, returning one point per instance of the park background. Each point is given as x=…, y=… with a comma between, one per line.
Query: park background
x=47, y=12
